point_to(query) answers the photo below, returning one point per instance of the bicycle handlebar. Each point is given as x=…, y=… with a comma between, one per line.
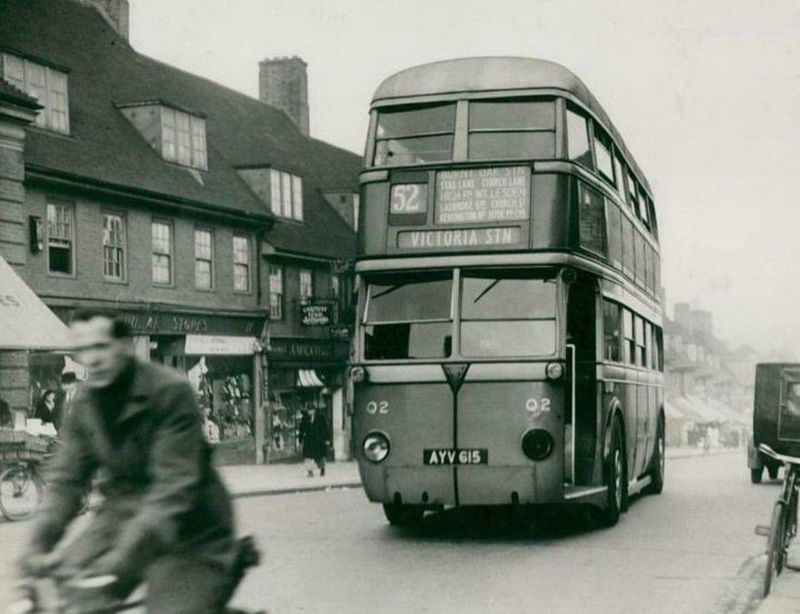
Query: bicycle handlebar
x=787, y=460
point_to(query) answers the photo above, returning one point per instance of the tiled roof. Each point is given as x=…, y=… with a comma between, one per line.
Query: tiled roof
x=103, y=147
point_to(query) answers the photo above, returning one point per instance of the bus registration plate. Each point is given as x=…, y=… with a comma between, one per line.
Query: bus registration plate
x=459, y=456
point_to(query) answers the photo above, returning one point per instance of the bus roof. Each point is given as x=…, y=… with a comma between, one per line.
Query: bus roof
x=495, y=74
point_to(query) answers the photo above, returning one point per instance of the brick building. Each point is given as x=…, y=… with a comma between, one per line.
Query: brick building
x=199, y=214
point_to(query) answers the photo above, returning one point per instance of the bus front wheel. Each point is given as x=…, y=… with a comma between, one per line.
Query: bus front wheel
x=400, y=515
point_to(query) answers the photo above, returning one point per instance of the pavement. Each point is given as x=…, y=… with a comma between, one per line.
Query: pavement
x=285, y=478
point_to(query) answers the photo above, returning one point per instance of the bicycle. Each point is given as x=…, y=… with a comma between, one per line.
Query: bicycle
x=22, y=487
x=71, y=593
x=783, y=526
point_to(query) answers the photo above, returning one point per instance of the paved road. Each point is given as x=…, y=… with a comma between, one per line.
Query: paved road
x=692, y=549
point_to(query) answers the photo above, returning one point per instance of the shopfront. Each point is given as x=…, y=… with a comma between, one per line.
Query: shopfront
x=221, y=356
x=29, y=331
x=303, y=373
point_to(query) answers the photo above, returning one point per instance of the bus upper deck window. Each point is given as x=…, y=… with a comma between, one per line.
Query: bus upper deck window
x=578, y=139
x=511, y=129
x=412, y=135
x=602, y=152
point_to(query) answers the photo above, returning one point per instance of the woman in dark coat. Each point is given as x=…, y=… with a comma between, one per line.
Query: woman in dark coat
x=315, y=439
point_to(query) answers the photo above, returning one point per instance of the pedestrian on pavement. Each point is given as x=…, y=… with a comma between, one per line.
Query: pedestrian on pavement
x=6, y=417
x=315, y=440
x=166, y=519
x=65, y=396
x=47, y=410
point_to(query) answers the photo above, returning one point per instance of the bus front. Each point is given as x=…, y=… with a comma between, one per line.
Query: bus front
x=461, y=378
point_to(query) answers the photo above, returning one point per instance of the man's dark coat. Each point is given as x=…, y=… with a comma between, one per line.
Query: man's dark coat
x=162, y=495
x=314, y=436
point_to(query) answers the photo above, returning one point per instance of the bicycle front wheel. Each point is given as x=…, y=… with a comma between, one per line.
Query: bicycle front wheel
x=775, y=543
x=20, y=493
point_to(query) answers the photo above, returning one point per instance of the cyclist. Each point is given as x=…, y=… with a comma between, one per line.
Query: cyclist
x=166, y=518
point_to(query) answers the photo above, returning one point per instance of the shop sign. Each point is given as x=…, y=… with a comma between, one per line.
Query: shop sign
x=340, y=332
x=306, y=349
x=204, y=345
x=160, y=323
x=316, y=314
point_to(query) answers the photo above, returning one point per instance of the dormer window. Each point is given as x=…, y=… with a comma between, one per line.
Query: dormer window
x=286, y=195
x=183, y=138
x=47, y=85
x=178, y=135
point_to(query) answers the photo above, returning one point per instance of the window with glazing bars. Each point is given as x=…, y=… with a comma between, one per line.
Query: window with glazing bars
x=47, y=85
x=162, y=252
x=275, y=293
x=113, y=247
x=241, y=263
x=203, y=259
x=60, y=238
x=306, y=283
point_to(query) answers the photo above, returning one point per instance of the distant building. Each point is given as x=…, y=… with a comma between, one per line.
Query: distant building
x=200, y=215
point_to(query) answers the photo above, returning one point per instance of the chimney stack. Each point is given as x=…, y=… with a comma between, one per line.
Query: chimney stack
x=115, y=13
x=283, y=83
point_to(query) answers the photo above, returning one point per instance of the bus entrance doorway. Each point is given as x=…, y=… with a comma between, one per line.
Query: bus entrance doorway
x=581, y=414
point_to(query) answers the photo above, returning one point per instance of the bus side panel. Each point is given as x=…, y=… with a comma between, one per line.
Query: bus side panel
x=414, y=416
x=495, y=416
x=627, y=396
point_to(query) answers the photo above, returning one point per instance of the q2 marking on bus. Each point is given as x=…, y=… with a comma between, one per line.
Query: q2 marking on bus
x=537, y=407
x=377, y=407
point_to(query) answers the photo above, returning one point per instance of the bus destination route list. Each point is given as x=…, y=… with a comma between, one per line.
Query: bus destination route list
x=476, y=195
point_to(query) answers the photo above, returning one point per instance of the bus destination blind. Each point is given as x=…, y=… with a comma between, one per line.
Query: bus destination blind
x=476, y=195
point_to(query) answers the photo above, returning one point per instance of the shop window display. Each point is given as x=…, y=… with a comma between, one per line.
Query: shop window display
x=223, y=385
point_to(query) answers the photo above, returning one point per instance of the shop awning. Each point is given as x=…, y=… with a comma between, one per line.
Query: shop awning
x=26, y=323
x=308, y=378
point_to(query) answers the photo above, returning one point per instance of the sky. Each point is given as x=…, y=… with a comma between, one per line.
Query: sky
x=706, y=94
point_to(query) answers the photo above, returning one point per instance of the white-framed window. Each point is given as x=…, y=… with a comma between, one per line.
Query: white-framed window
x=47, y=85
x=275, y=292
x=286, y=194
x=203, y=259
x=114, y=245
x=162, y=252
x=241, y=263
x=61, y=238
x=306, y=283
x=183, y=138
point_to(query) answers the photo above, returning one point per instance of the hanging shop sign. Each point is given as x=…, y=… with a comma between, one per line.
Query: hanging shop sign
x=316, y=314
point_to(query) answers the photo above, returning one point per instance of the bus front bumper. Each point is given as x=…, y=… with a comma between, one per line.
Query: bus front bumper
x=462, y=485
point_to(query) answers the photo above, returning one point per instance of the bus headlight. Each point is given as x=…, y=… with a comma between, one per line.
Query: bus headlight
x=376, y=447
x=554, y=370
x=537, y=444
x=358, y=374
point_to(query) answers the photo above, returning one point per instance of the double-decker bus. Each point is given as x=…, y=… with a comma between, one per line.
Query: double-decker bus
x=508, y=346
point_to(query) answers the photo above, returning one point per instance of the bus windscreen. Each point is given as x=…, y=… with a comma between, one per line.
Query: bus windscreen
x=507, y=314
x=409, y=316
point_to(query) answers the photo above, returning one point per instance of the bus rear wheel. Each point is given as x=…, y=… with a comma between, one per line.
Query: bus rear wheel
x=400, y=515
x=658, y=461
x=615, y=478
